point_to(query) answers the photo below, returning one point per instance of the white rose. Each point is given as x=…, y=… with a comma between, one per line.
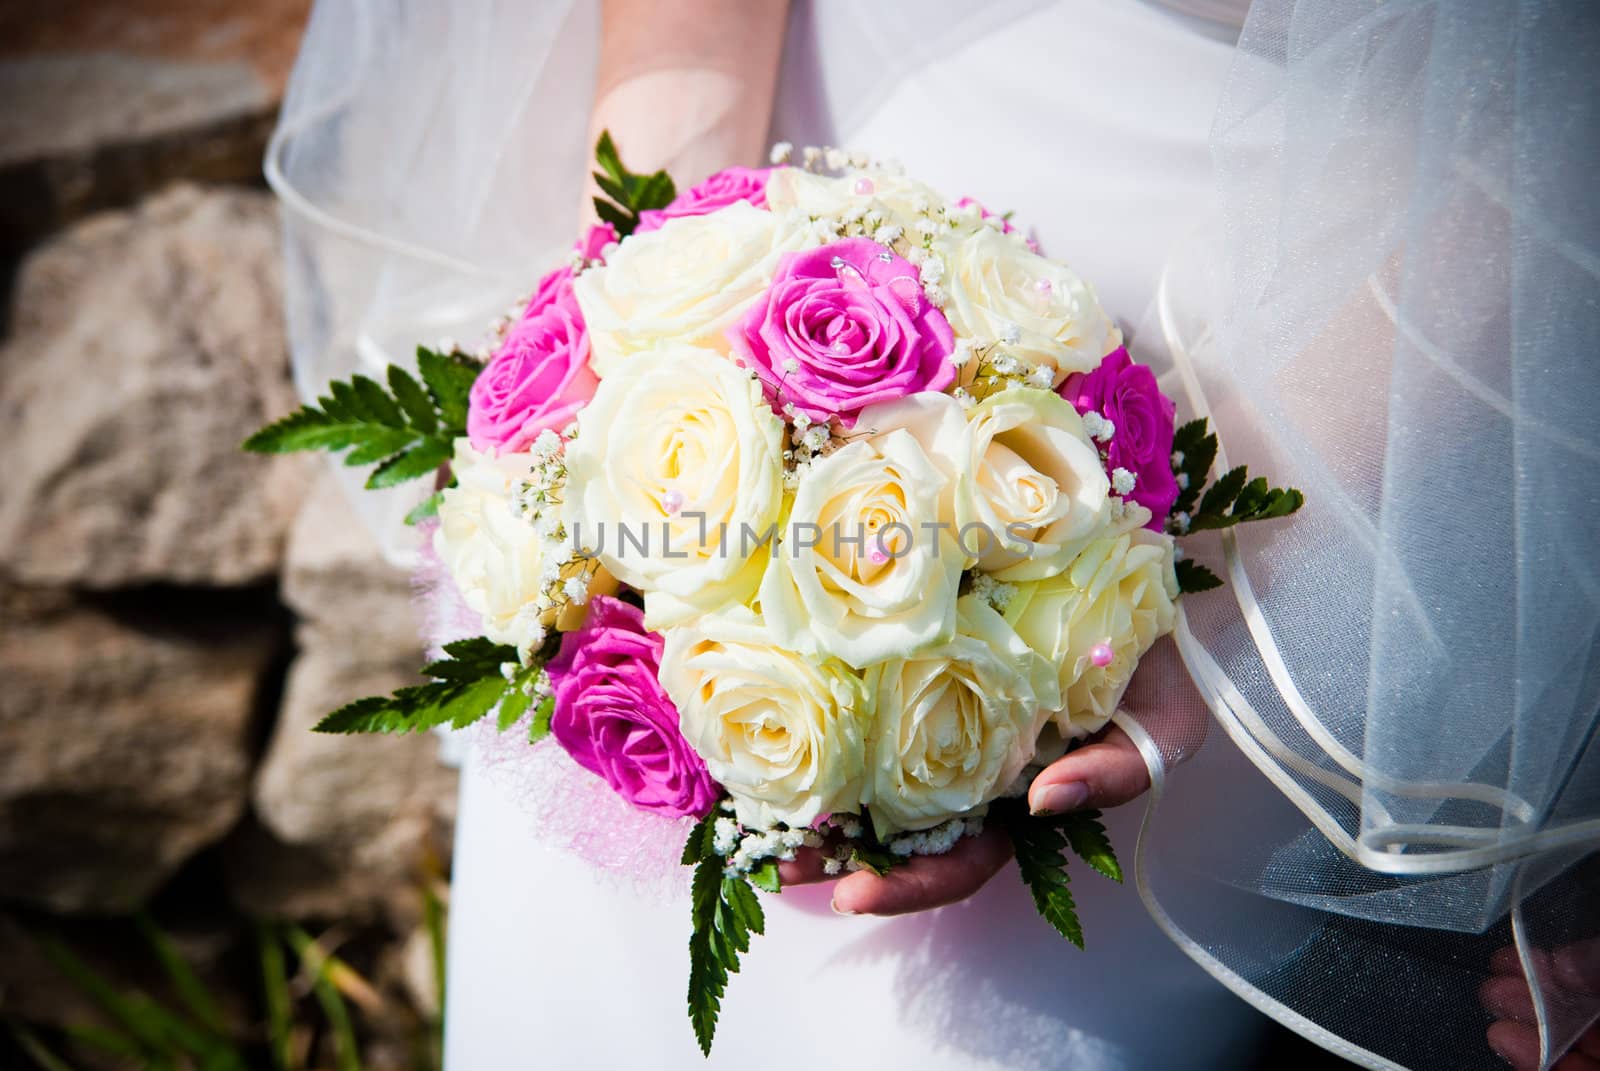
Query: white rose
x=997, y=285
x=894, y=197
x=1027, y=487
x=954, y=724
x=500, y=562
x=686, y=282
x=1032, y=476
x=783, y=732
x=675, y=478
x=1117, y=593
x=864, y=572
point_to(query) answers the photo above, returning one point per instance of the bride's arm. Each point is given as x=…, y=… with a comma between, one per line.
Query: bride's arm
x=687, y=86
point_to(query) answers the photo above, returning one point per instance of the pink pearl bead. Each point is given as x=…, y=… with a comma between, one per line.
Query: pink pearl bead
x=864, y=186
x=1044, y=286
x=877, y=556
x=672, y=501
x=1101, y=654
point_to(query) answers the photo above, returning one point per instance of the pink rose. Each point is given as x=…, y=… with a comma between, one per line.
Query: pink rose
x=539, y=378
x=1005, y=224
x=591, y=245
x=1126, y=394
x=844, y=327
x=537, y=381
x=614, y=718
x=720, y=190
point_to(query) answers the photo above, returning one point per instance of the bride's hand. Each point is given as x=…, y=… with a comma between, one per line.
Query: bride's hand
x=1573, y=970
x=1105, y=772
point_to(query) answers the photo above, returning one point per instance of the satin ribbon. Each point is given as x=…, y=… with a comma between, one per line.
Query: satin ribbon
x=1383, y=847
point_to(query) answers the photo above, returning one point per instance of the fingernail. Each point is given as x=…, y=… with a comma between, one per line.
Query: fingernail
x=837, y=910
x=1058, y=799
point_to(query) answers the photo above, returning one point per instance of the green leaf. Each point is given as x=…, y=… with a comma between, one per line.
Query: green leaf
x=436, y=926
x=373, y=714
x=275, y=992
x=375, y=403
x=407, y=434
x=185, y=983
x=617, y=217
x=157, y=1032
x=513, y=705
x=1193, y=577
x=412, y=399
x=1222, y=494
x=1188, y=436
x=449, y=379
x=1251, y=498
x=344, y=402
x=708, y=972
x=744, y=903
x=428, y=507
x=765, y=877
x=1280, y=503
x=103, y=1039
x=470, y=659
x=467, y=686
x=612, y=188
x=310, y=428
x=626, y=194
x=1199, y=450
x=876, y=859
x=381, y=444
x=1041, y=860
x=420, y=460
x=698, y=846
x=476, y=700
x=347, y=1054
x=657, y=191
x=605, y=154
x=35, y=1049
x=1232, y=501
x=480, y=651
x=724, y=912
x=540, y=726
x=1087, y=837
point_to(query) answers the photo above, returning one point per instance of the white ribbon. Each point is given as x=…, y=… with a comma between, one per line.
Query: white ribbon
x=1384, y=846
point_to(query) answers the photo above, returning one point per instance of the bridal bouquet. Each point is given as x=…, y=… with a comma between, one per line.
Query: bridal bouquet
x=808, y=505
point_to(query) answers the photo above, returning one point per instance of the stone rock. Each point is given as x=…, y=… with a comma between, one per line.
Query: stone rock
x=145, y=346
x=101, y=104
x=344, y=591
x=124, y=744
x=344, y=821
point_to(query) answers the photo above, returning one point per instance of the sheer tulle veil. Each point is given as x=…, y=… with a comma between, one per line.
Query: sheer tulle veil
x=1396, y=310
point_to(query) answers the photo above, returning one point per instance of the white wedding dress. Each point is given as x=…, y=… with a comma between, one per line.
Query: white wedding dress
x=554, y=966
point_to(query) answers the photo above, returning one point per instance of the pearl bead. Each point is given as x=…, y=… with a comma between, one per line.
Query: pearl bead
x=1044, y=286
x=864, y=186
x=1101, y=654
x=878, y=557
x=672, y=501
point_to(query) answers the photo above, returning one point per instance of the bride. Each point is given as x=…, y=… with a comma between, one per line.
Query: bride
x=432, y=160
